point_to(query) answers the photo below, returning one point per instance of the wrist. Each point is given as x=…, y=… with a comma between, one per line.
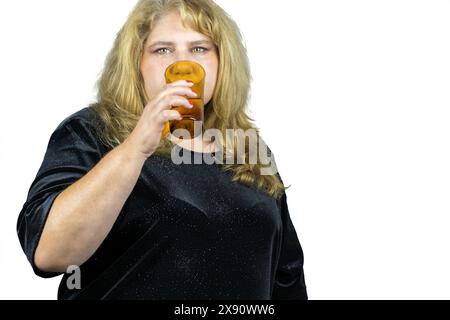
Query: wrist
x=132, y=152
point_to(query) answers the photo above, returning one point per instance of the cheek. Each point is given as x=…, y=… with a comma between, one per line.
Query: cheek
x=211, y=72
x=153, y=75
x=150, y=67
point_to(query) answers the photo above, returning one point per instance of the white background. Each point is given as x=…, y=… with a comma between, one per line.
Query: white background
x=351, y=96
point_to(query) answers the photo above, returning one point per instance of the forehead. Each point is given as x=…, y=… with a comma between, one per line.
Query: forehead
x=169, y=28
x=171, y=23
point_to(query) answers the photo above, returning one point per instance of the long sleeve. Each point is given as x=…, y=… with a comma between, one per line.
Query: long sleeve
x=71, y=152
x=289, y=278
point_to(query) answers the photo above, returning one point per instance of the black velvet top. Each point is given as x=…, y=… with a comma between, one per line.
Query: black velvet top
x=185, y=232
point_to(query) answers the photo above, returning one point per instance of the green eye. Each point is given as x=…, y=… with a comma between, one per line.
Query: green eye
x=159, y=50
x=203, y=49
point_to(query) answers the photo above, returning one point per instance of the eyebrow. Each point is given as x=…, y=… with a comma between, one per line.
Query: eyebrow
x=168, y=43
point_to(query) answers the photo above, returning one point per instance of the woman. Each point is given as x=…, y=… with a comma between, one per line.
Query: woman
x=109, y=199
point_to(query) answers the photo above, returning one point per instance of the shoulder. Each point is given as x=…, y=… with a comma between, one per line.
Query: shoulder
x=80, y=128
x=86, y=116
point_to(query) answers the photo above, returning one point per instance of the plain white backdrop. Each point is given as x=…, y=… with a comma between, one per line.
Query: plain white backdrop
x=351, y=96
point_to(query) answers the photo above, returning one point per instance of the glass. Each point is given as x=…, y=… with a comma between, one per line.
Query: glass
x=192, y=118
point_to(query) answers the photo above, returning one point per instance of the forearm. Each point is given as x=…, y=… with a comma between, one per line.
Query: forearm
x=82, y=215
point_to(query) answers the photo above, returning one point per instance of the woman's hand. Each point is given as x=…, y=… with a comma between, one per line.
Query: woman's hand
x=147, y=134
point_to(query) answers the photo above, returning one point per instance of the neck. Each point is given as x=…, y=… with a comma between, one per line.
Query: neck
x=196, y=144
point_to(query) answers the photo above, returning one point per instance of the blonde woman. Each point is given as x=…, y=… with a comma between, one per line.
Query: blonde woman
x=111, y=211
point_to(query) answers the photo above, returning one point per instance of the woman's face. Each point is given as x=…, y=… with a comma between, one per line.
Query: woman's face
x=180, y=44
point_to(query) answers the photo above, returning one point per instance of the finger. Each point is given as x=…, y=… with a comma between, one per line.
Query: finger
x=184, y=83
x=178, y=91
x=169, y=102
x=169, y=115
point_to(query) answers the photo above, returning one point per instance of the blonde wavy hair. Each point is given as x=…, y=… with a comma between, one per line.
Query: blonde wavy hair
x=121, y=96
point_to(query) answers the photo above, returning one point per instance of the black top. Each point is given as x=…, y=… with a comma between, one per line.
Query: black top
x=185, y=232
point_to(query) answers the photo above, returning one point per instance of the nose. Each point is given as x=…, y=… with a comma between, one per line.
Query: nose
x=182, y=69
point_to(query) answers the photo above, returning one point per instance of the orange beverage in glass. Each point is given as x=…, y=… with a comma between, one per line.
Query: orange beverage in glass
x=194, y=72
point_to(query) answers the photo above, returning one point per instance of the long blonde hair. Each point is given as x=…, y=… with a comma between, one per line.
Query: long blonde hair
x=121, y=96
